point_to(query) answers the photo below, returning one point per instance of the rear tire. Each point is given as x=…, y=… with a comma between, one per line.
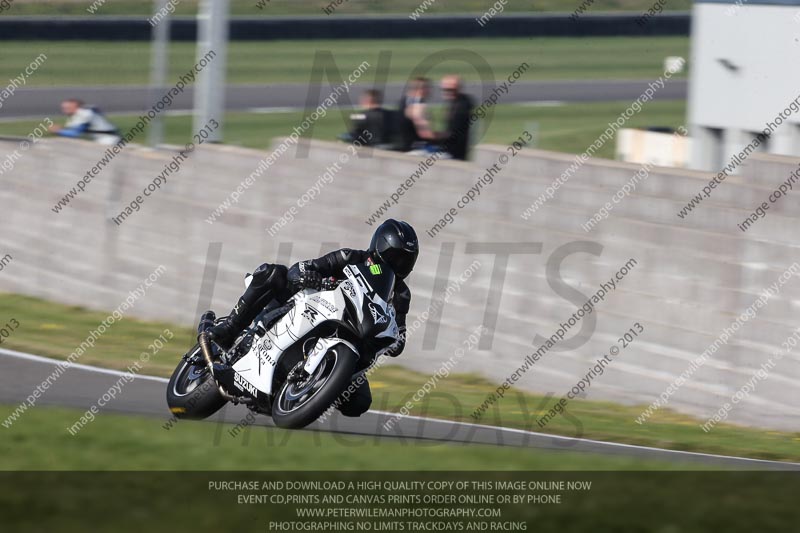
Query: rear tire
x=299, y=404
x=192, y=393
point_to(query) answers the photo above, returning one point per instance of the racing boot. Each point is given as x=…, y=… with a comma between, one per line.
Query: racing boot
x=267, y=281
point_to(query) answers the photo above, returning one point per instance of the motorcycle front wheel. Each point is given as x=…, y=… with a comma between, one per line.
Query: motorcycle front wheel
x=301, y=400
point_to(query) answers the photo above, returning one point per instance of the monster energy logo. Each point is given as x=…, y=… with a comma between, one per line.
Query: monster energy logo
x=375, y=269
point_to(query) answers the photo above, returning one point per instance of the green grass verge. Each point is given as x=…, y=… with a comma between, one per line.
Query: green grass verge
x=55, y=330
x=569, y=128
x=349, y=7
x=40, y=441
x=128, y=63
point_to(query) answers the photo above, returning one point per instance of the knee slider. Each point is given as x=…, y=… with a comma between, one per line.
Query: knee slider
x=355, y=409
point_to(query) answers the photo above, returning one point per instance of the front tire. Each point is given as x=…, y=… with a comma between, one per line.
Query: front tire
x=301, y=402
x=192, y=393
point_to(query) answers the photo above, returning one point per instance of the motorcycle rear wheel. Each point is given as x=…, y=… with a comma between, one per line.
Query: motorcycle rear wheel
x=192, y=393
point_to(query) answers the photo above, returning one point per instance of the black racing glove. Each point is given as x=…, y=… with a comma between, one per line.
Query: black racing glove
x=300, y=276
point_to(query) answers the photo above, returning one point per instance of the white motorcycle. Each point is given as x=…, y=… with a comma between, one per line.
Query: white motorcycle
x=295, y=360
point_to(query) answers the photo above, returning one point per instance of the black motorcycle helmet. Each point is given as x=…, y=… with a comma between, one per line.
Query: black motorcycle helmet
x=395, y=244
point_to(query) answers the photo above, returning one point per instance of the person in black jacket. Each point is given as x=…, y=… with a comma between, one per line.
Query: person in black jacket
x=394, y=245
x=372, y=125
x=456, y=137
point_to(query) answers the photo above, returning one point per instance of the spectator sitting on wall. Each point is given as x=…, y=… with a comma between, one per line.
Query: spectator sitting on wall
x=415, y=125
x=455, y=140
x=86, y=120
x=373, y=124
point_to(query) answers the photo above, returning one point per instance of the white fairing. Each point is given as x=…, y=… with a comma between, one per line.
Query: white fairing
x=320, y=349
x=310, y=308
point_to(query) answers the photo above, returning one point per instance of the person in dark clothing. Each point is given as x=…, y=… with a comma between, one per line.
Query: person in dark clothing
x=394, y=245
x=372, y=125
x=415, y=124
x=456, y=137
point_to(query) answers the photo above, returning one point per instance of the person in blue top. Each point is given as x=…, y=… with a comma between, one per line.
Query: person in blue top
x=86, y=121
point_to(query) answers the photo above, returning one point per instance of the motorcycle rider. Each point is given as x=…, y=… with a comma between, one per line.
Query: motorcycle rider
x=394, y=245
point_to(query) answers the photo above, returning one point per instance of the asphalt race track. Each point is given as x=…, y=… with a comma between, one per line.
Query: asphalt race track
x=42, y=101
x=80, y=387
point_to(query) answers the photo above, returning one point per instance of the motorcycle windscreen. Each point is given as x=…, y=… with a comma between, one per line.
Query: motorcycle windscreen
x=375, y=280
x=375, y=286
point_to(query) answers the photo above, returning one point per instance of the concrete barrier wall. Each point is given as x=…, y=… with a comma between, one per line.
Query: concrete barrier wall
x=692, y=276
x=770, y=171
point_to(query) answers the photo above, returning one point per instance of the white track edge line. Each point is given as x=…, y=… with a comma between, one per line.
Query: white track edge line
x=99, y=370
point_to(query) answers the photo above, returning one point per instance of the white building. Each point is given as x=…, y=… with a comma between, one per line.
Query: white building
x=745, y=77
